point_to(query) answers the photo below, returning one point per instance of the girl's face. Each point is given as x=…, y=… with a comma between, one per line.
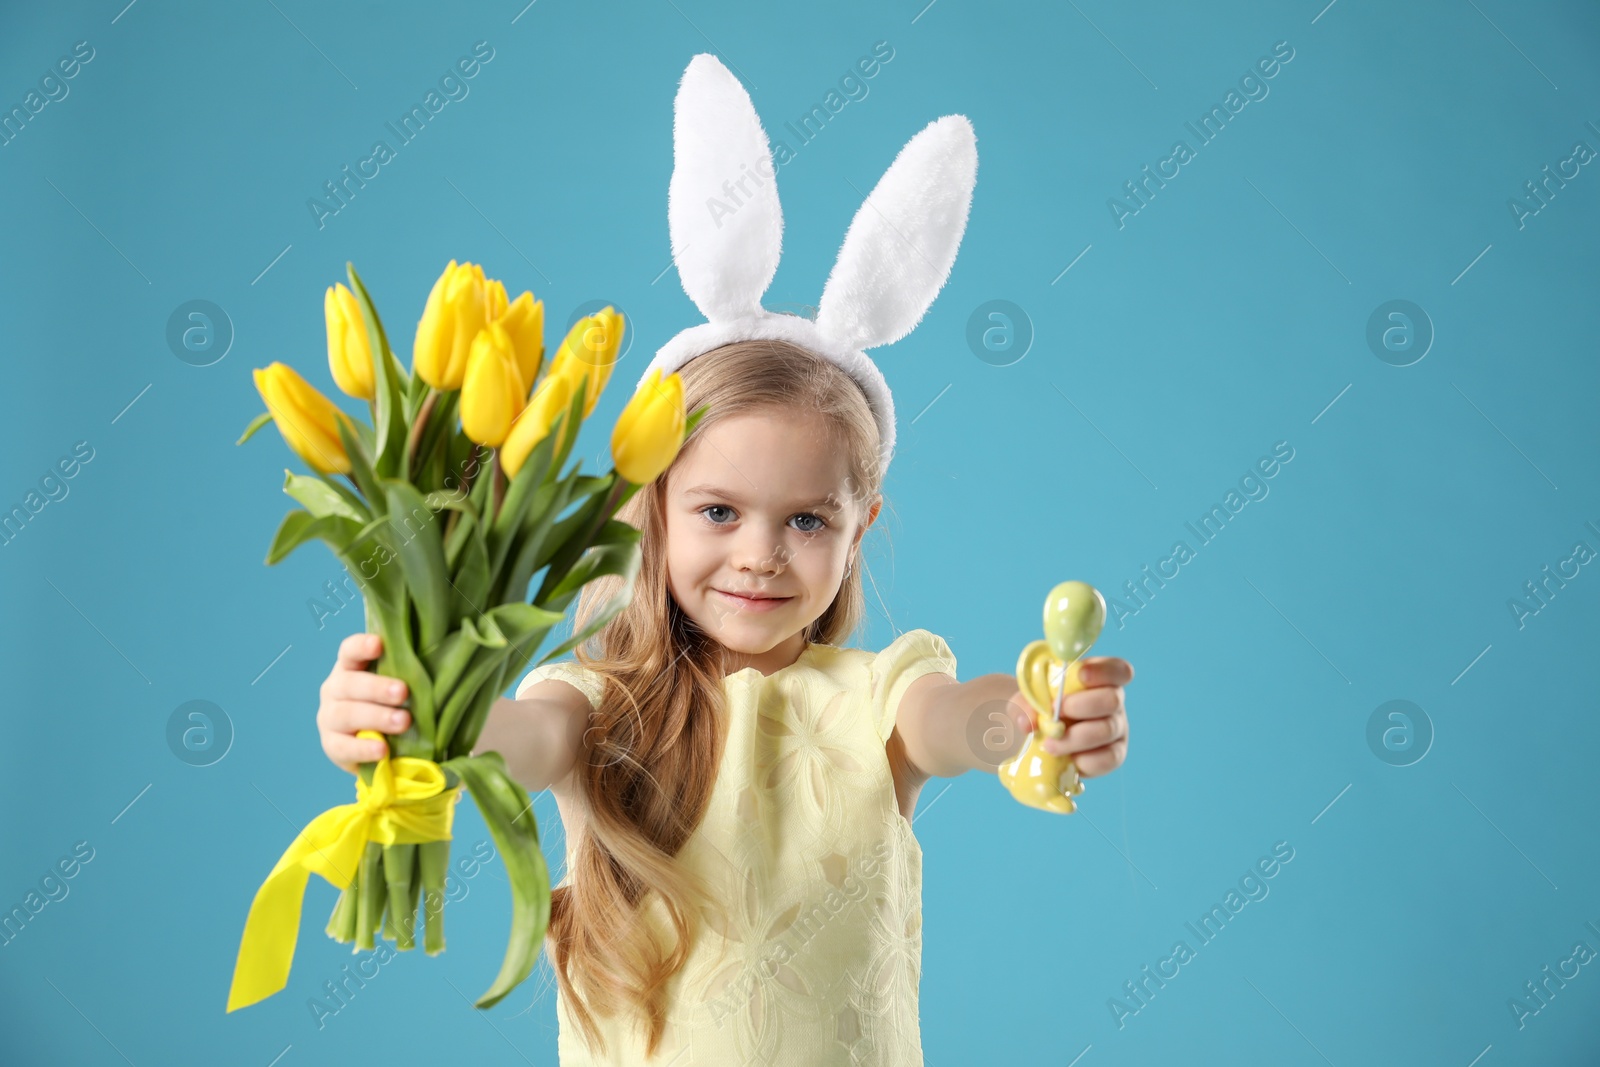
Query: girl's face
x=761, y=506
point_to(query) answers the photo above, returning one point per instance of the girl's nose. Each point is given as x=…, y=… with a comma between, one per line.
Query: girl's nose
x=759, y=553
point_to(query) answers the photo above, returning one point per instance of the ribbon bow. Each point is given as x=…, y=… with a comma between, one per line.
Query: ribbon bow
x=406, y=804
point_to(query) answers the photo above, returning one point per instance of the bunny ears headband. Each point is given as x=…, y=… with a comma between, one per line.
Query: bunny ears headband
x=727, y=235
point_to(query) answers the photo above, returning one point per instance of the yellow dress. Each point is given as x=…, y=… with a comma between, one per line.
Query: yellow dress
x=815, y=954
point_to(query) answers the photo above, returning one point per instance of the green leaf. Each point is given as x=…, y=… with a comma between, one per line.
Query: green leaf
x=519, y=494
x=574, y=419
x=361, y=468
x=598, y=560
x=400, y=660
x=416, y=389
x=298, y=527
x=489, y=634
x=689, y=423
x=456, y=536
x=482, y=492
x=570, y=540
x=389, y=423
x=621, y=556
x=421, y=558
x=561, y=534
x=321, y=498
x=508, y=812
x=464, y=458
x=478, y=709
x=255, y=424
x=542, y=537
x=434, y=442
x=349, y=495
x=439, y=499
x=364, y=435
x=450, y=657
x=523, y=626
x=472, y=577
x=382, y=586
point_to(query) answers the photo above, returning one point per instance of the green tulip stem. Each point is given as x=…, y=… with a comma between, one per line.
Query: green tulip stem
x=415, y=440
x=370, y=897
x=499, y=485
x=399, y=869
x=388, y=931
x=433, y=863
x=342, y=924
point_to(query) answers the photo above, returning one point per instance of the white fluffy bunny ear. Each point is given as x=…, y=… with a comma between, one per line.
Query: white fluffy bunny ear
x=903, y=239
x=722, y=203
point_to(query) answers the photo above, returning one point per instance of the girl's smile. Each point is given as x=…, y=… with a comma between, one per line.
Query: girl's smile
x=761, y=603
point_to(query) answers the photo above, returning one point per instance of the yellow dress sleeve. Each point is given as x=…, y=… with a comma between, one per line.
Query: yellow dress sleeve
x=573, y=673
x=910, y=656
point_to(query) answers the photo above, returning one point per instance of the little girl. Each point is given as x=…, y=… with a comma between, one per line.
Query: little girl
x=742, y=884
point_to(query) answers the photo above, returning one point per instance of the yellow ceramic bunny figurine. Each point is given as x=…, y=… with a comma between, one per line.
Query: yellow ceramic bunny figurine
x=1047, y=671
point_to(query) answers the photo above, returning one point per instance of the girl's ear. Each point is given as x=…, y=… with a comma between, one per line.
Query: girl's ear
x=903, y=239
x=872, y=514
x=722, y=202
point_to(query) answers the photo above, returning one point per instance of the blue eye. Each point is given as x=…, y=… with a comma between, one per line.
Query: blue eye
x=821, y=524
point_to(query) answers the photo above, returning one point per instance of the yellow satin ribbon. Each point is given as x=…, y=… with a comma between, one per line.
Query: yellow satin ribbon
x=405, y=804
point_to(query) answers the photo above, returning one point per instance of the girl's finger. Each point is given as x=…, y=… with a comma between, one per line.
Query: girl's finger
x=1088, y=735
x=347, y=751
x=1094, y=703
x=358, y=650
x=1102, y=760
x=348, y=716
x=1105, y=670
x=364, y=685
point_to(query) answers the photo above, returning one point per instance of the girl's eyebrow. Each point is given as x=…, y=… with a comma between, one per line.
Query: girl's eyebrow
x=723, y=494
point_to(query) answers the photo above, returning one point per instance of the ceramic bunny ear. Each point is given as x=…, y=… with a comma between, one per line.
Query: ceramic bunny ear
x=722, y=202
x=903, y=239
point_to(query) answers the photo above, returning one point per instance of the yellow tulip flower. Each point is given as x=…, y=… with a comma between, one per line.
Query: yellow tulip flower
x=457, y=308
x=550, y=401
x=492, y=393
x=590, y=350
x=495, y=298
x=349, y=355
x=649, y=432
x=614, y=326
x=305, y=417
x=524, y=321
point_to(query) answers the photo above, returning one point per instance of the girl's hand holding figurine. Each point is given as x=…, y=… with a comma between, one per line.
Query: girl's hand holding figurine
x=1057, y=685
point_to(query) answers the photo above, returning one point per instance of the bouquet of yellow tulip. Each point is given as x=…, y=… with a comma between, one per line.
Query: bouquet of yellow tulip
x=449, y=598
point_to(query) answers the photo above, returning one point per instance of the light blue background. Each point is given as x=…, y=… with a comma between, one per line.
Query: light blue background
x=1228, y=314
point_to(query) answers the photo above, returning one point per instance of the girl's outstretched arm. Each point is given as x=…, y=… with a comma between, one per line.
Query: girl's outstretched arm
x=539, y=735
x=948, y=727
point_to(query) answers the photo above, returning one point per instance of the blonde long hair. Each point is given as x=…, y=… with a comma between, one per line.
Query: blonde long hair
x=649, y=760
